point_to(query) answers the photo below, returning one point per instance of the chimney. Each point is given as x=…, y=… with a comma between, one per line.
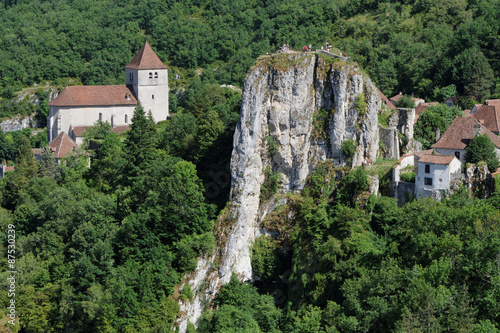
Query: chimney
x=438, y=134
x=476, y=130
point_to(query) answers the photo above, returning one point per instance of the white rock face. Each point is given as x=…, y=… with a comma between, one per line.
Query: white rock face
x=281, y=100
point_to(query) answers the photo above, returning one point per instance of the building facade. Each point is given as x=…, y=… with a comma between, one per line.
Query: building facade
x=146, y=81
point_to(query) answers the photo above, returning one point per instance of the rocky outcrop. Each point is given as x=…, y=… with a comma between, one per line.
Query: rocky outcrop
x=17, y=124
x=297, y=111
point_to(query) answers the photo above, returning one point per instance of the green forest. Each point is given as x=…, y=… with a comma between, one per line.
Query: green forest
x=104, y=248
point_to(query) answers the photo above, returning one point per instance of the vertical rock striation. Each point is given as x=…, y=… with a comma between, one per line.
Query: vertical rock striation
x=296, y=112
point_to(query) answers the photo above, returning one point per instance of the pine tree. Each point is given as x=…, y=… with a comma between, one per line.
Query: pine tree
x=47, y=167
x=140, y=145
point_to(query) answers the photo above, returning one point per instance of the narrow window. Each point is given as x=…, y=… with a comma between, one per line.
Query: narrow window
x=152, y=96
x=150, y=75
x=156, y=75
x=427, y=168
x=457, y=154
x=100, y=116
x=428, y=181
x=126, y=119
x=131, y=77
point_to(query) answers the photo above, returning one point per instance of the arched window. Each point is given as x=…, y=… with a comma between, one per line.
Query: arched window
x=100, y=116
x=126, y=119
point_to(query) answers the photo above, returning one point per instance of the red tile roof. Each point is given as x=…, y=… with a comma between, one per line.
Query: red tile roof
x=386, y=101
x=420, y=154
x=436, y=159
x=146, y=58
x=489, y=116
x=467, y=113
x=120, y=129
x=10, y=168
x=495, y=102
x=62, y=145
x=422, y=107
x=396, y=98
x=95, y=96
x=78, y=130
x=461, y=132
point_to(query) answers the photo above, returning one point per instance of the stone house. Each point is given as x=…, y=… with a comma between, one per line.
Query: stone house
x=146, y=80
x=436, y=173
x=458, y=136
x=61, y=147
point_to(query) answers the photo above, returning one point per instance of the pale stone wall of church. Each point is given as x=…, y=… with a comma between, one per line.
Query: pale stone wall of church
x=62, y=118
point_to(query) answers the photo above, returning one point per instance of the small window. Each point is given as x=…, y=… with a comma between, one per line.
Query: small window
x=427, y=181
x=457, y=154
x=440, y=180
x=126, y=119
x=156, y=75
x=152, y=96
x=150, y=75
x=427, y=168
x=131, y=76
x=100, y=116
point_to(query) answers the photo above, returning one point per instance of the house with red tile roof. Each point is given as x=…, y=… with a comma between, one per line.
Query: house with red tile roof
x=146, y=81
x=420, y=108
x=436, y=172
x=488, y=114
x=458, y=136
x=61, y=147
x=394, y=99
x=386, y=101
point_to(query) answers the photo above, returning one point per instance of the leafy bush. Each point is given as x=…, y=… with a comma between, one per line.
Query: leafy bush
x=266, y=258
x=481, y=148
x=272, y=145
x=408, y=177
x=349, y=148
x=405, y=102
x=360, y=104
x=186, y=293
x=270, y=184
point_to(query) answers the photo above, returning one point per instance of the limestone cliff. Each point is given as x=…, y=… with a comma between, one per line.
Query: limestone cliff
x=296, y=111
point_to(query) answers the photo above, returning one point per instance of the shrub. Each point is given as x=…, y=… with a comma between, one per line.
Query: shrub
x=272, y=145
x=408, y=177
x=405, y=102
x=266, y=258
x=349, y=148
x=270, y=184
x=186, y=293
x=481, y=148
x=360, y=104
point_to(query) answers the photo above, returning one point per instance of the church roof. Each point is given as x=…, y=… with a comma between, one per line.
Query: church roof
x=95, y=96
x=146, y=58
x=62, y=145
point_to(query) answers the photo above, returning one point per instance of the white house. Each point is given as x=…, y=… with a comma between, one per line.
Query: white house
x=436, y=172
x=78, y=106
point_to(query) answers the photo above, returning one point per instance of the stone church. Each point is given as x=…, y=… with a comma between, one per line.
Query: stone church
x=78, y=107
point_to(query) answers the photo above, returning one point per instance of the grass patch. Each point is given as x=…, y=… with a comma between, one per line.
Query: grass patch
x=383, y=118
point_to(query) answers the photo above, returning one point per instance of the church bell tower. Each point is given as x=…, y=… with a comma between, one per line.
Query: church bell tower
x=149, y=78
